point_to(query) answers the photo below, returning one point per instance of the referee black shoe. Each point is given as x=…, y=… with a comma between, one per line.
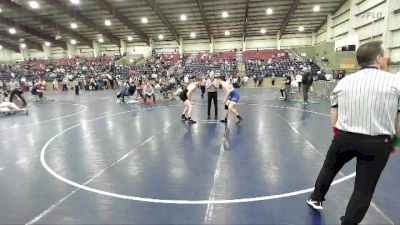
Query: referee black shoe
x=183, y=118
x=315, y=204
x=191, y=121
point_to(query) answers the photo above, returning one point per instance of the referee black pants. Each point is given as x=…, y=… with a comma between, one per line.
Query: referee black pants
x=212, y=96
x=306, y=88
x=19, y=94
x=372, y=154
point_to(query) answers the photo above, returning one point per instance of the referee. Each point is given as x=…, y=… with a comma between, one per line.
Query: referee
x=365, y=107
x=211, y=86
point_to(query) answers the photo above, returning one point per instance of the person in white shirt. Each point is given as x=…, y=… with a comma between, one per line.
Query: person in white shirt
x=212, y=87
x=186, y=79
x=14, y=88
x=365, y=123
x=148, y=92
x=299, y=79
x=186, y=97
x=245, y=80
x=55, y=84
x=9, y=108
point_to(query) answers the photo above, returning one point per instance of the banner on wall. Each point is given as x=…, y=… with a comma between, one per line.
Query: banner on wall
x=349, y=43
x=348, y=63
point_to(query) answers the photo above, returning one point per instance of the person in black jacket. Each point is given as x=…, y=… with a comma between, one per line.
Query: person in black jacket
x=288, y=88
x=307, y=82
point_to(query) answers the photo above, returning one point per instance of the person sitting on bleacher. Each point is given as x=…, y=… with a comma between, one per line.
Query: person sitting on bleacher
x=148, y=92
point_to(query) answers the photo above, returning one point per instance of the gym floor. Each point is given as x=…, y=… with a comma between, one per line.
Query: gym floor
x=90, y=160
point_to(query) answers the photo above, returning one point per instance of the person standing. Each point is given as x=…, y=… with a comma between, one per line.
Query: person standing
x=299, y=80
x=307, y=81
x=365, y=116
x=287, y=82
x=232, y=97
x=211, y=86
x=186, y=97
x=14, y=89
x=76, y=86
x=55, y=84
x=203, y=87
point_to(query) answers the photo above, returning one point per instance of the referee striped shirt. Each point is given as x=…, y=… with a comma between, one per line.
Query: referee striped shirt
x=368, y=102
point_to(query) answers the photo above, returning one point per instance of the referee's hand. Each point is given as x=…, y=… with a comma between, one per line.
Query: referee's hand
x=395, y=149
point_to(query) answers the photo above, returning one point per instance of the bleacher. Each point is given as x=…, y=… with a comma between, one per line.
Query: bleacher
x=224, y=63
x=266, y=63
x=264, y=54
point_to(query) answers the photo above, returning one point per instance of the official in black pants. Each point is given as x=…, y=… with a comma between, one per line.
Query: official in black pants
x=211, y=87
x=372, y=154
x=19, y=94
x=203, y=87
x=362, y=131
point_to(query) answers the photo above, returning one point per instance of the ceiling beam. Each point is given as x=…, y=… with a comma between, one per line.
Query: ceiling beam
x=163, y=19
x=124, y=20
x=8, y=46
x=29, y=43
x=204, y=18
x=246, y=14
x=31, y=31
x=84, y=20
x=334, y=11
x=47, y=22
x=295, y=5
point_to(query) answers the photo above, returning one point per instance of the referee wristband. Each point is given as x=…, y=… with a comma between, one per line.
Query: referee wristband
x=335, y=131
x=396, y=141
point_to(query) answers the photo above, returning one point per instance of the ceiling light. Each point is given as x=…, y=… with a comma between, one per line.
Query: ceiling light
x=144, y=20
x=74, y=25
x=227, y=33
x=47, y=43
x=1, y=10
x=193, y=35
x=23, y=45
x=160, y=37
x=316, y=8
x=107, y=22
x=34, y=4
x=75, y=1
x=101, y=40
x=263, y=31
x=225, y=14
x=1, y=47
x=130, y=38
x=269, y=11
x=12, y=30
x=73, y=41
x=301, y=28
x=183, y=17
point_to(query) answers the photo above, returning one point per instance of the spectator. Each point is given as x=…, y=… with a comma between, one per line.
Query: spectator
x=307, y=82
x=288, y=88
x=148, y=92
x=299, y=80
